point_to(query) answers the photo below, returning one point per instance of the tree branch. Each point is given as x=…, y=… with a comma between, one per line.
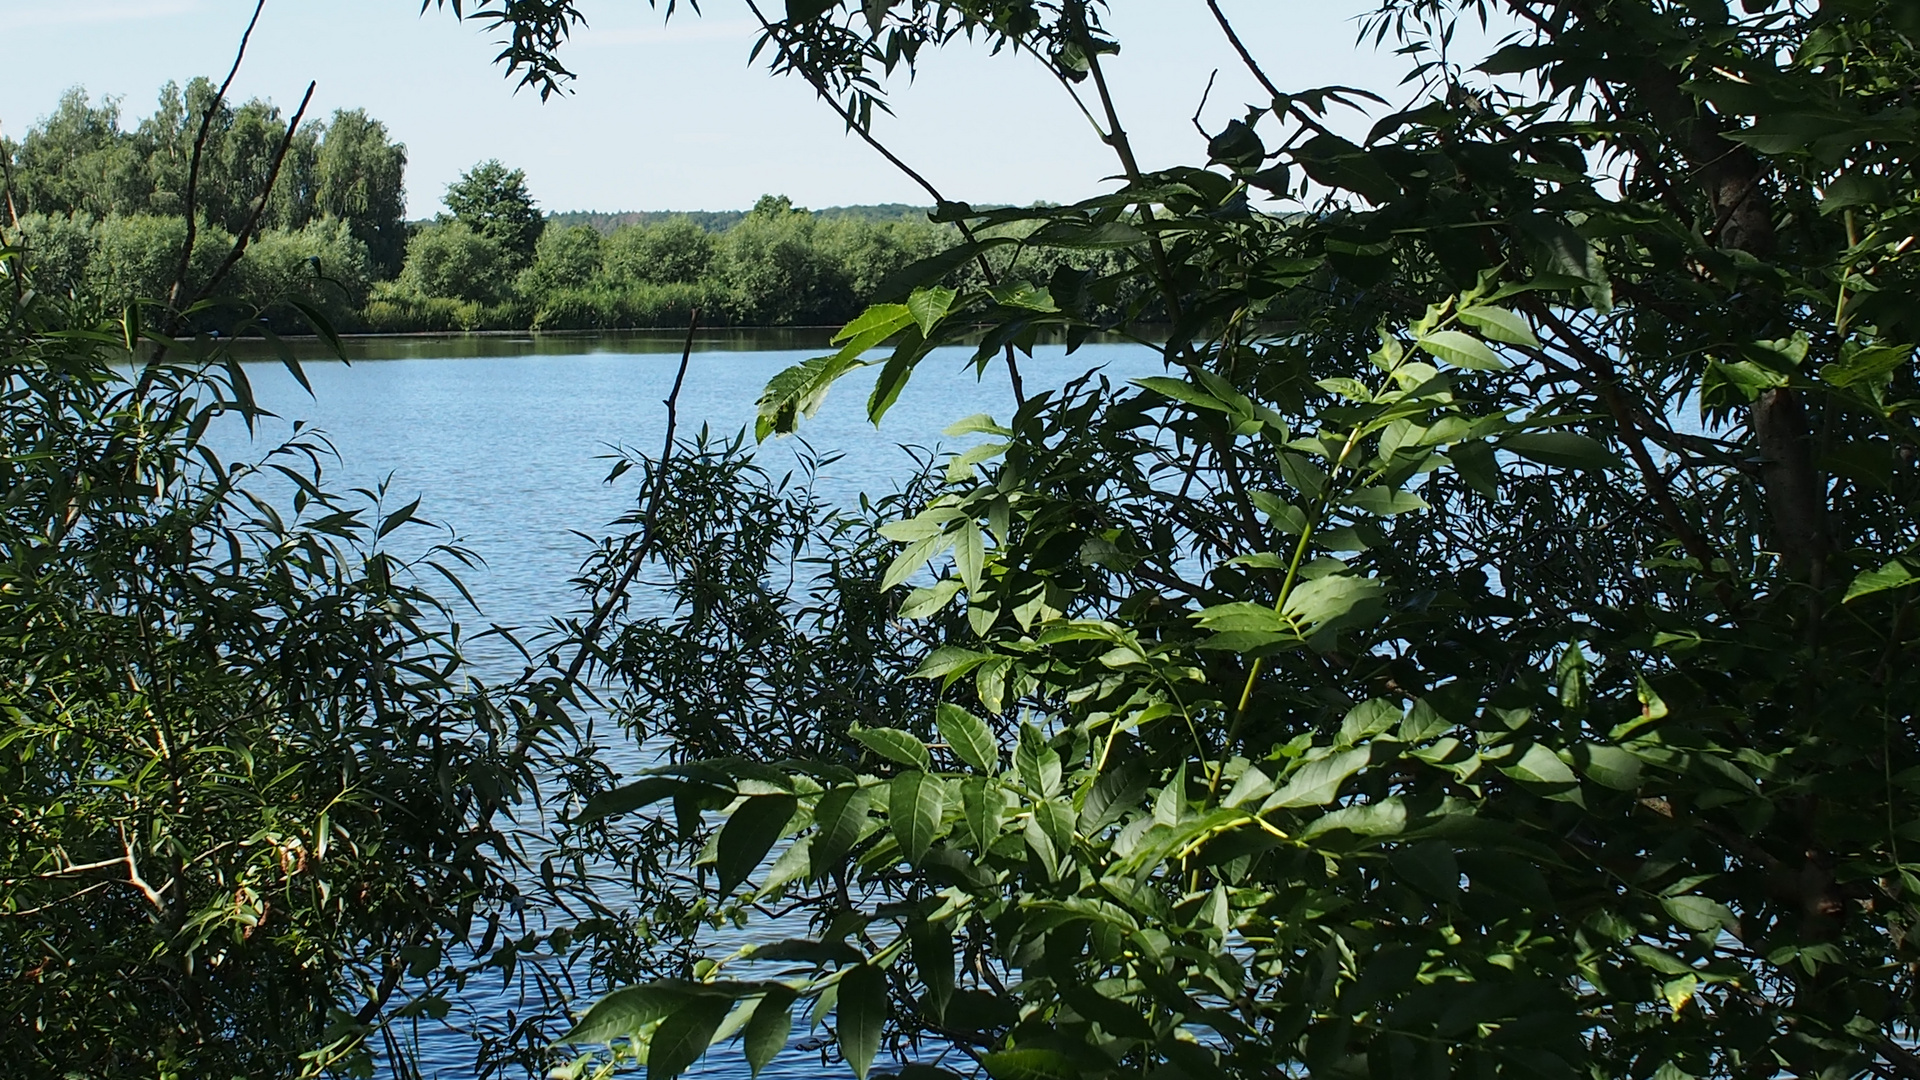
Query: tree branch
x=241, y=241
x=199, y=147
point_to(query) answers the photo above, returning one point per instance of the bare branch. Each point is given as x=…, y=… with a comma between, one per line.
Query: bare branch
x=199, y=148
x=241, y=241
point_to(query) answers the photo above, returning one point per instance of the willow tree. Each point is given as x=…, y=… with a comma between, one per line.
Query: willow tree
x=1488, y=648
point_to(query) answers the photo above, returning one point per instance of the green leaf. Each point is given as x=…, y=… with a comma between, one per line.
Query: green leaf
x=623, y=1013
x=1865, y=365
x=749, y=834
x=877, y=323
x=767, y=1031
x=628, y=798
x=927, y=602
x=1323, y=602
x=862, y=1015
x=1894, y=575
x=1318, y=782
x=1608, y=766
x=1698, y=912
x=1461, y=350
x=1564, y=449
x=1182, y=391
x=916, y=803
x=1384, y=502
x=917, y=555
x=894, y=745
x=950, y=662
x=933, y=957
x=1036, y=763
x=969, y=736
x=929, y=306
x=1029, y=1065
x=1499, y=324
x=684, y=1036
x=969, y=555
x=840, y=817
x=1540, y=765
x=1477, y=465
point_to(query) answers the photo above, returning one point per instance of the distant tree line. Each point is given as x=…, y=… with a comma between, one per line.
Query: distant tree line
x=100, y=208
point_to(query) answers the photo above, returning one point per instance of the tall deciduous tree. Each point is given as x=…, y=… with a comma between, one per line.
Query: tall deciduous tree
x=493, y=201
x=361, y=179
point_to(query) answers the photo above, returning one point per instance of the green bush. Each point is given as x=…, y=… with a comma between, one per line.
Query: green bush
x=564, y=259
x=676, y=250
x=135, y=256
x=59, y=248
x=322, y=264
x=448, y=259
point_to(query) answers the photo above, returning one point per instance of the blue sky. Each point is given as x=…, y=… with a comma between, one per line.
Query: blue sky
x=674, y=116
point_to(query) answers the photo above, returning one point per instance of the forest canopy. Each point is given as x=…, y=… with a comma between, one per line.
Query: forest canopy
x=100, y=209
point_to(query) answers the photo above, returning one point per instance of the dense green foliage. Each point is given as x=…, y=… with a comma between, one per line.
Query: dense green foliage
x=101, y=221
x=777, y=265
x=81, y=186
x=1488, y=649
x=252, y=804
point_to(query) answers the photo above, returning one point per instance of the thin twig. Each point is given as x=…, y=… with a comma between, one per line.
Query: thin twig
x=638, y=556
x=1246, y=57
x=820, y=87
x=199, y=147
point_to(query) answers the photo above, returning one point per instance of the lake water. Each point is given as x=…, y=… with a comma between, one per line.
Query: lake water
x=505, y=442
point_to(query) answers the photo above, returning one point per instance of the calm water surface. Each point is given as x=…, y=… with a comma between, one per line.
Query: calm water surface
x=505, y=440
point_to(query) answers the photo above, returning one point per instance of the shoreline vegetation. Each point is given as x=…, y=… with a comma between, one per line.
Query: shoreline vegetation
x=100, y=209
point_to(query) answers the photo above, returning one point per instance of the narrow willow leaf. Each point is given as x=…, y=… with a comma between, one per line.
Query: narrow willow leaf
x=969, y=736
x=895, y=745
x=682, y=1038
x=861, y=1015
x=749, y=834
x=767, y=1032
x=1461, y=350
x=916, y=803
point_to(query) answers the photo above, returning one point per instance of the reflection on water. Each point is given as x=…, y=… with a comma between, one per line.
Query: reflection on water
x=567, y=343
x=505, y=440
